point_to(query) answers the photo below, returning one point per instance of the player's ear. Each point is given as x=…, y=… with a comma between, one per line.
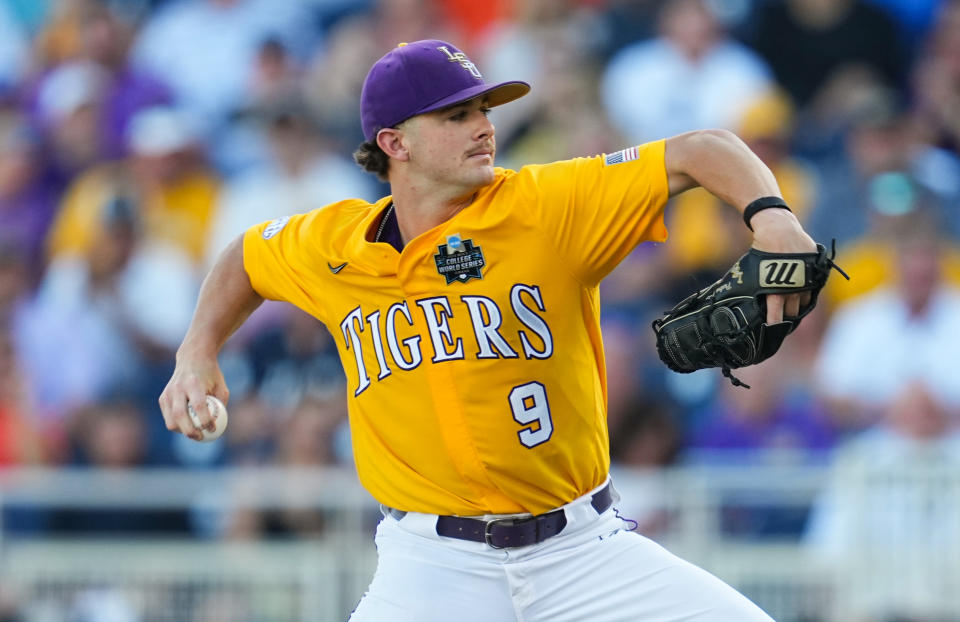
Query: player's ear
x=391, y=140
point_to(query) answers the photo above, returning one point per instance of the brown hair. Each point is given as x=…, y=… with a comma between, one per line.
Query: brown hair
x=372, y=159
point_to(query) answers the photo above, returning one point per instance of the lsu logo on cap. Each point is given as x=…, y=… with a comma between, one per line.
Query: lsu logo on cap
x=461, y=58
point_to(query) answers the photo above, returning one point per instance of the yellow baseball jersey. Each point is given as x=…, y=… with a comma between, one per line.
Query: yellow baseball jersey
x=473, y=358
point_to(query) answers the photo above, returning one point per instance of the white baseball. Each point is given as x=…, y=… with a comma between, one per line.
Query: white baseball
x=219, y=413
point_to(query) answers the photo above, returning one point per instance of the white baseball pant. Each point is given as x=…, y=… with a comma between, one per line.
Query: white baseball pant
x=595, y=570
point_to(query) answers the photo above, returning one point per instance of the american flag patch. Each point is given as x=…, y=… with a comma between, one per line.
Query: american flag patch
x=624, y=155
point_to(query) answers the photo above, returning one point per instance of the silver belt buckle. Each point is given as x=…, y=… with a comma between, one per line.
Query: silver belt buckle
x=486, y=530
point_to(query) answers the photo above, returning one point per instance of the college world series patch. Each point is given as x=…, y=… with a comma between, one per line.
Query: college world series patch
x=624, y=155
x=459, y=260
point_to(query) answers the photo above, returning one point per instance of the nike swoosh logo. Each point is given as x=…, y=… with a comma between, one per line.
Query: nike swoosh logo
x=336, y=269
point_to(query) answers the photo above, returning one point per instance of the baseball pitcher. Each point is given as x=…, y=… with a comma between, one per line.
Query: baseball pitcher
x=466, y=312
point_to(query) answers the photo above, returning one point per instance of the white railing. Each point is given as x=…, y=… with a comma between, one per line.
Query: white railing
x=688, y=509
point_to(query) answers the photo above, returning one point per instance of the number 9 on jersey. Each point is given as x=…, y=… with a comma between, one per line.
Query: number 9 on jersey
x=531, y=409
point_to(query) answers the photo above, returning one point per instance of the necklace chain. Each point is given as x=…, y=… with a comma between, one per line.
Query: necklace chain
x=383, y=223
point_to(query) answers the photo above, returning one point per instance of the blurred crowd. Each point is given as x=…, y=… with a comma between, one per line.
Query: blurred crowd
x=138, y=137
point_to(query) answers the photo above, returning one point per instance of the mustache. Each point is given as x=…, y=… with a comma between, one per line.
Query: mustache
x=487, y=148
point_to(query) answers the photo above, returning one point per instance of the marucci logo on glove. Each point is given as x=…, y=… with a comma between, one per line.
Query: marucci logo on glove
x=782, y=273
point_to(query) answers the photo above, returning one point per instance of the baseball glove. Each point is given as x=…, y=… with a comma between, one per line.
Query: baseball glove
x=724, y=325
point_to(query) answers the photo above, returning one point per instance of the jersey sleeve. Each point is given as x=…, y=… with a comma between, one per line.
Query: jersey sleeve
x=597, y=210
x=278, y=261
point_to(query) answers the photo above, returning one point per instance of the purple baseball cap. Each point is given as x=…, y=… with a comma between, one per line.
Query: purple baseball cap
x=418, y=77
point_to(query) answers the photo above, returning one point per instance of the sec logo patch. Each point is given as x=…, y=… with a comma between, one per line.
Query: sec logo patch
x=274, y=227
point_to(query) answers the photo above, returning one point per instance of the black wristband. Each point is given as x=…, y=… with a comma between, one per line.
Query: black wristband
x=762, y=203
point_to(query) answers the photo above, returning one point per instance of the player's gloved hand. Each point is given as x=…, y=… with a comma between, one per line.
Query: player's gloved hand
x=729, y=324
x=195, y=376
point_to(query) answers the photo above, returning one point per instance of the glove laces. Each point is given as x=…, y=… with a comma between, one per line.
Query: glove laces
x=718, y=351
x=830, y=262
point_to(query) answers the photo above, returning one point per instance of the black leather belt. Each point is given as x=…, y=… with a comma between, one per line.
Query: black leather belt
x=505, y=533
